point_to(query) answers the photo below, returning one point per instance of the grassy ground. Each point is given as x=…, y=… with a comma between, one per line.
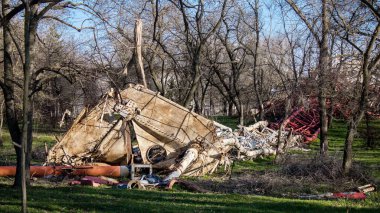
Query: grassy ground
x=7, y=153
x=60, y=198
x=85, y=199
x=231, y=122
x=362, y=154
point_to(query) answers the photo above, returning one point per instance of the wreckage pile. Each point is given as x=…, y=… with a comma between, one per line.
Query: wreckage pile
x=260, y=137
x=171, y=140
x=169, y=136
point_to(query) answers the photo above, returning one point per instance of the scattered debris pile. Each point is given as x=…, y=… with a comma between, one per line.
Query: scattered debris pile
x=171, y=140
x=170, y=137
x=260, y=137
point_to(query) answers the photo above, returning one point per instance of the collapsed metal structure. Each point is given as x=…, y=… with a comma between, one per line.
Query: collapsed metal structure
x=169, y=136
x=303, y=122
x=138, y=128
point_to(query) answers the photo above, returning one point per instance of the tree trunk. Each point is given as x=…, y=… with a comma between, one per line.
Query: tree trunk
x=369, y=132
x=324, y=125
x=197, y=76
x=197, y=107
x=262, y=110
x=330, y=113
x=241, y=115
x=230, y=108
x=281, y=144
x=255, y=64
x=347, y=156
x=9, y=96
x=212, y=106
x=368, y=64
x=25, y=105
x=30, y=31
x=323, y=68
x=1, y=123
x=203, y=96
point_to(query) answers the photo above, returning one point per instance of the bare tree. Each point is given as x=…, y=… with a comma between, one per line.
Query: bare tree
x=236, y=56
x=32, y=78
x=8, y=88
x=323, y=65
x=196, y=33
x=255, y=62
x=368, y=57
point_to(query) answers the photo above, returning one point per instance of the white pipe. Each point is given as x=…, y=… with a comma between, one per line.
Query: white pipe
x=190, y=156
x=251, y=154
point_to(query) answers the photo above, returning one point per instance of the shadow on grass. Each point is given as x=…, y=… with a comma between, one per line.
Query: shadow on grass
x=85, y=199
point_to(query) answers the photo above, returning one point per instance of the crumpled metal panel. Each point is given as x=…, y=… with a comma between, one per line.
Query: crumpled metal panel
x=101, y=136
x=190, y=141
x=94, y=136
x=170, y=125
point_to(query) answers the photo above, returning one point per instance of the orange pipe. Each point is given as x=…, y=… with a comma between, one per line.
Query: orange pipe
x=110, y=171
x=42, y=171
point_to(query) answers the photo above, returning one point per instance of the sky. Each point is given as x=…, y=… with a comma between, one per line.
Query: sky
x=269, y=14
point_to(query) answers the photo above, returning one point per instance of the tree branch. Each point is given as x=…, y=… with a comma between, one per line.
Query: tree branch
x=304, y=19
x=45, y=10
x=370, y=47
x=217, y=25
x=16, y=43
x=21, y=7
x=65, y=23
x=372, y=8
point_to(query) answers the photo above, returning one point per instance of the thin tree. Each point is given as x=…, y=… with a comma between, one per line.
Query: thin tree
x=369, y=59
x=323, y=64
x=8, y=86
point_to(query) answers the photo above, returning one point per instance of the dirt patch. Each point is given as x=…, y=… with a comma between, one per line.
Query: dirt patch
x=296, y=175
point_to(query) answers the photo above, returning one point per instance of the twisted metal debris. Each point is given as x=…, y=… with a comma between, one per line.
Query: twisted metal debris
x=169, y=137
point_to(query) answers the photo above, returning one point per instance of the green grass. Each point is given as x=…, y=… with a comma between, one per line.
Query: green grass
x=256, y=165
x=85, y=199
x=361, y=154
x=231, y=122
x=7, y=152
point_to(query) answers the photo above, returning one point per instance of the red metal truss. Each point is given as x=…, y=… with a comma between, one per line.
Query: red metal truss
x=303, y=122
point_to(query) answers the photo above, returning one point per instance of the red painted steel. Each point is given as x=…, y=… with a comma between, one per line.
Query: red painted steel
x=303, y=122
